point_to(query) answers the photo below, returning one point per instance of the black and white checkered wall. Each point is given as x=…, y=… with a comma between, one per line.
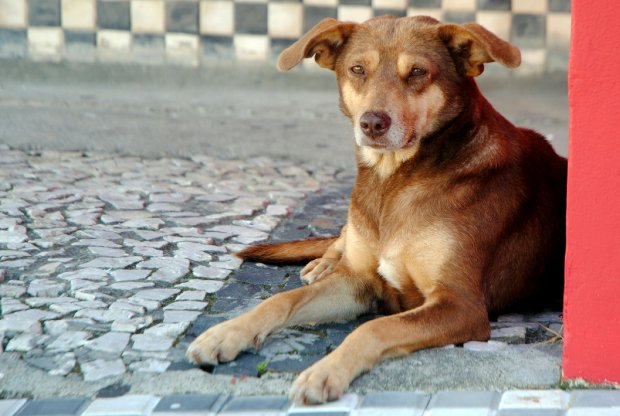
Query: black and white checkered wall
x=196, y=31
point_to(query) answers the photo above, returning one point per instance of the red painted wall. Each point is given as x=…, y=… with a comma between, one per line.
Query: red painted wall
x=592, y=295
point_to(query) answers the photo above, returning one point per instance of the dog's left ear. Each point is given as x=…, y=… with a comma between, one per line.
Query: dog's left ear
x=472, y=46
x=324, y=41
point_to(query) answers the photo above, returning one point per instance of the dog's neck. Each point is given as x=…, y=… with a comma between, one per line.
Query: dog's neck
x=441, y=146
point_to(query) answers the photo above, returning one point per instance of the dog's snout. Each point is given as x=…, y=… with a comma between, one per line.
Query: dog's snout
x=375, y=123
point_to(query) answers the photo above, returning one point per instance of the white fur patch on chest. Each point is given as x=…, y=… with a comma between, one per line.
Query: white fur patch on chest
x=390, y=274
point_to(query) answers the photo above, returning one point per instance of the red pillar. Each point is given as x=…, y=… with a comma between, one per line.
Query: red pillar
x=592, y=295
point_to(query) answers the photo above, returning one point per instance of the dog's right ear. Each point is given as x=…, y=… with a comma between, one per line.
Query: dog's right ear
x=324, y=41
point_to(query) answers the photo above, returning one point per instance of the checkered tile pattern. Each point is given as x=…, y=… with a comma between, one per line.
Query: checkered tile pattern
x=194, y=31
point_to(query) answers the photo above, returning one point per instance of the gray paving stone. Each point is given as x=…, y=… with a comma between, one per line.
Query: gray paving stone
x=446, y=403
x=514, y=401
x=290, y=362
x=484, y=346
x=55, y=407
x=240, y=231
x=148, y=234
x=159, y=262
x=227, y=262
x=163, y=207
x=170, y=330
x=144, y=223
x=8, y=254
x=45, y=288
x=191, y=246
x=66, y=308
x=106, y=251
x=10, y=305
x=68, y=341
x=512, y=335
x=96, y=242
x=594, y=403
x=12, y=237
x=179, y=316
x=148, y=251
x=169, y=274
x=20, y=325
x=149, y=305
x=105, y=316
x=169, y=197
x=64, y=364
x=134, y=405
x=188, y=405
x=10, y=407
x=84, y=285
x=198, y=295
x=209, y=286
x=11, y=291
x=265, y=405
x=186, y=305
x=157, y=294
x=150, y=366
x=17, y=264
x=129, y=242
x=199, y=256
x=85, y=274
x=132, y=275
x=100, y=369
x=122, y=304
x=396, y=403
x=147, y=342
x=210, y=272
x=32, y=315
x=111, y=262
x=132, y=325
x=112, y=342
x=128, y=285
x=37, y=302
x=25, y=342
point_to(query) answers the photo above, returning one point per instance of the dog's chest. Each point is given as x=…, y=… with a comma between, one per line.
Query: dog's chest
x=415, y=258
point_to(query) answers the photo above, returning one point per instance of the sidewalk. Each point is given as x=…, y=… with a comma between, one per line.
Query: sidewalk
x=113, y=265
x=446, y=403
x=232, y=112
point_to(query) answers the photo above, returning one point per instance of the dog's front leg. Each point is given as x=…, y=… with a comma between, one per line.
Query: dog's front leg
x=336, y=297
x=441, y=320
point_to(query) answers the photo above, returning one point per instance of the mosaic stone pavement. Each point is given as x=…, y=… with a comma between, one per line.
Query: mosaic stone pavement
x=113, y=264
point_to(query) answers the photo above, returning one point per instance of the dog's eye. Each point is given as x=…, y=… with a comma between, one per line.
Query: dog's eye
x=358, y=70
x=417, y=72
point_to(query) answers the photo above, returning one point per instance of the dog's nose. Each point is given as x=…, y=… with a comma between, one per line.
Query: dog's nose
x=375, y=123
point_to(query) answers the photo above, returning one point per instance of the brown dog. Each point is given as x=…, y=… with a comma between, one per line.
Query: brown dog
x=455, y=214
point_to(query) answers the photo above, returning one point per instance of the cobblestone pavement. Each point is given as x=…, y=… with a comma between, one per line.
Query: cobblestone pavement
x=445, y=403
x=111, y=265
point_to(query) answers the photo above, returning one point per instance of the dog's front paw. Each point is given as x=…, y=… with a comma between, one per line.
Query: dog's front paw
x=324, y=381
x=222, y=343
x=317, y=269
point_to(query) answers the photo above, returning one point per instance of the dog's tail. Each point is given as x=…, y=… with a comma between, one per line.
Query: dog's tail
x=289, y=252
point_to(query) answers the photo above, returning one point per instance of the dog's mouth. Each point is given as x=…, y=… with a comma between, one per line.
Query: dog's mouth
x=385, y=146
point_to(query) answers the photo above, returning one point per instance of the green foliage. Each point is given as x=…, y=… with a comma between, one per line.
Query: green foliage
x=261, y=368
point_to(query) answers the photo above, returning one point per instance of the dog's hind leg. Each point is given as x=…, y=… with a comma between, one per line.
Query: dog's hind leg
x=323, y=266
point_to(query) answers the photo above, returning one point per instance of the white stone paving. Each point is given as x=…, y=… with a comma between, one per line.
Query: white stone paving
x=90, y=246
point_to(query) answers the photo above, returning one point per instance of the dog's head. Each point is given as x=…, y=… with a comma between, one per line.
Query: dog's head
x=400, y=78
